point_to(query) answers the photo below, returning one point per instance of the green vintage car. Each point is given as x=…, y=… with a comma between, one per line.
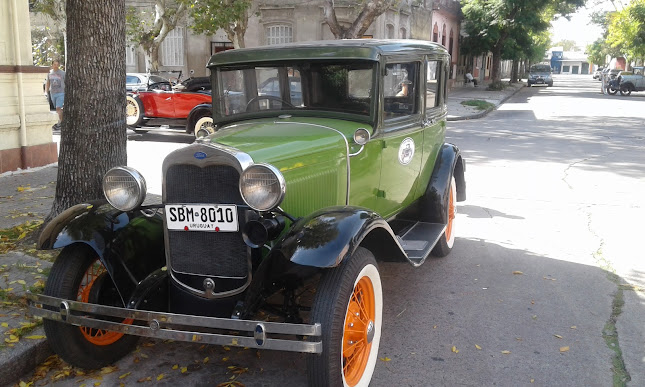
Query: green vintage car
x=272, y=223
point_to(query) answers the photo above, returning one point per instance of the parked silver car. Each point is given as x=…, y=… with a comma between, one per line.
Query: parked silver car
x=136, y=81
x=540, y=74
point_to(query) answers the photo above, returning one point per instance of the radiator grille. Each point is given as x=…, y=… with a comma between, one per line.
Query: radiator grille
x=206, y=253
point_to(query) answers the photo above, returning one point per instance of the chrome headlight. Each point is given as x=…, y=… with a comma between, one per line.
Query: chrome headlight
x=124, y=188
x=262, y=187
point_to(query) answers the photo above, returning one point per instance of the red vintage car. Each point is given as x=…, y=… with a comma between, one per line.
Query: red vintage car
x=186, y=105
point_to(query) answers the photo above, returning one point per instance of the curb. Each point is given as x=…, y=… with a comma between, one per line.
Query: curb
x=23, y=358
x=485, y=112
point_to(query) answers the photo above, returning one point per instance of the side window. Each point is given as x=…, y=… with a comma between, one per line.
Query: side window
x=400, y=89
x=433, y=78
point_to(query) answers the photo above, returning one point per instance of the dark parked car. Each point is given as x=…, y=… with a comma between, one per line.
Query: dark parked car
x=632, y=81
x=186, y=105
x=271, y=227
x=540, y=74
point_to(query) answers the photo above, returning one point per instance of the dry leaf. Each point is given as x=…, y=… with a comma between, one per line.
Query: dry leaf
x=558, y=336
x=4, y=325
x=564, y=349
x=385, y=359
x=227, y=348
x=160, y=376
x=97, y=384
x=21, y=282
x=206, y=359
x=506, y=352
x=574, y=327
x=225, y=359
x=175, y=367
x=184, y=369
x=454, y=349
x=35, y=337
x=148, y=379
x=125, y=375
x=477, y=346
x=517, y=272
x=532, y=380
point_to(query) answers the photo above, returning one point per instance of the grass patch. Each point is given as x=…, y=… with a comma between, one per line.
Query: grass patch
x=478, y=104
x=610, y=334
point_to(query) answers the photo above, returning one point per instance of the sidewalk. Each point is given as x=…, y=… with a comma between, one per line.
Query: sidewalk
x=457, y=111
x=26, y=196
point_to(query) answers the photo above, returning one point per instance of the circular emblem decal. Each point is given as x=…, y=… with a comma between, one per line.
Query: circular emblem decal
x=406, y=151
x=200, y=155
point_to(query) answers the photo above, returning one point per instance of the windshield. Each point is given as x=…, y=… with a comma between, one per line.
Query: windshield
x=540, y=69
x=344, y=87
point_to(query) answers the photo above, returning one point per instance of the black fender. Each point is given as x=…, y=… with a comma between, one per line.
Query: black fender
x=328, y=236
x=434, y=203
x=196, y=113
x=129, y=244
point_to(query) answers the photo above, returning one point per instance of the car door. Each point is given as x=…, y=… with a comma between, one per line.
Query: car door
x=434, y=121
x=401, y=136
x=158, y=102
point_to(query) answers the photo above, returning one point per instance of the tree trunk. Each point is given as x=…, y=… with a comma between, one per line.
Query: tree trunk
x=152, y=58
x=93, y=135
x=514, y=71
x=496, y=74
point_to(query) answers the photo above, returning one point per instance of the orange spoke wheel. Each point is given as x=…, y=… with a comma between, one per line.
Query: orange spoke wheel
x=349, y=308
x=447, y=240
x=359, y=331
x=451, y=211
x=93, y=335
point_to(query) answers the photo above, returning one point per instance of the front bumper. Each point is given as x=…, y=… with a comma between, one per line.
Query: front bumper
x=208, y=330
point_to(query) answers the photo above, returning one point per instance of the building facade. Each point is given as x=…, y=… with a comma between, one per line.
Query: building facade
x=25, y=119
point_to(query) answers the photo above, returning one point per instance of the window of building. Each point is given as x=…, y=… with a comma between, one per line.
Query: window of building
x=443, y=36
x=389, y=31
x=278, y=34
x=403, y=33
x=435, y=33
x=130, y=56
x=220, y=46
x=450, y=43
x=172, y=48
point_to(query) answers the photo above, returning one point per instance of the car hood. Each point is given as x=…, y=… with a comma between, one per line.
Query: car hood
x=289, y=143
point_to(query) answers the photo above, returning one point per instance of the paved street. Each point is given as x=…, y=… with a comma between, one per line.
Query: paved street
x=547, y=266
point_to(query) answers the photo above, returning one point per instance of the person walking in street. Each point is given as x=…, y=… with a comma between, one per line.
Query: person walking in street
x=56, y=86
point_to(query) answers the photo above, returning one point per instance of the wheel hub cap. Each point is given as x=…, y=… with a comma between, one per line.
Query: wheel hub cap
x=370, y=331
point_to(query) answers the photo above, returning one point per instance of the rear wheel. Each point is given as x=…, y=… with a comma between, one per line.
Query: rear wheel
x=79, y=275
x=204, y=126
x=133, y=111
x=349, y=306
x=625, y=90
x=447, y=240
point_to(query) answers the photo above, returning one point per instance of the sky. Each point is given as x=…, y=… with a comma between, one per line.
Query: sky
x=580, y=28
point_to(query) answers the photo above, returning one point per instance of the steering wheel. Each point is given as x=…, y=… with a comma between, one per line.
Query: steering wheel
x=270, y=98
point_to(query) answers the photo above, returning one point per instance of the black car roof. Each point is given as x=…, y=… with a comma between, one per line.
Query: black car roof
x=355, y=49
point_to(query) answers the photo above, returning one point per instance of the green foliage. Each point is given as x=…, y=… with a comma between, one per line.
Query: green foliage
x=626, y=30
x=478, y=104
x=509, y=29
x=46, y=47
x=567, y=45
x=208, y=16
x=52, y=8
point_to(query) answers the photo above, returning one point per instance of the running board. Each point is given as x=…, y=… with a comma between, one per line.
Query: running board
x=419, y=240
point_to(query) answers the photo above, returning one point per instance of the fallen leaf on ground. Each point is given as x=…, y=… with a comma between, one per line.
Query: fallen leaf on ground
x=385, y=359
x=564, y=349
x=454, y=349
x=477, y=346
x=125, y=375
x=160, y=376
x=574, y=327
x=148, y=379
x=517, y=272
x=184, y=369
x=175, y=367
x=35, y=337
x=558, y=336
x=506, y=352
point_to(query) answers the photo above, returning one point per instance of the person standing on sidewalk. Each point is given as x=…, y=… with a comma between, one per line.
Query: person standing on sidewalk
x=56, y=86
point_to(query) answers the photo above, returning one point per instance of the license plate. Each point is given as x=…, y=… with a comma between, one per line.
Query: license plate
x=202, y=217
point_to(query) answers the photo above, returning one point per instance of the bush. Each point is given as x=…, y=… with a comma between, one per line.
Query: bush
x=497, y=86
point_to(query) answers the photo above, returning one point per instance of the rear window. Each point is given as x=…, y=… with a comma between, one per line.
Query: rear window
x=540, y=69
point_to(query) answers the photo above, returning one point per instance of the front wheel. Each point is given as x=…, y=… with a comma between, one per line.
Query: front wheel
x=79, y=275
x=447, y=240
x=625, y=90
x=611, y=90
x=349, y=306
